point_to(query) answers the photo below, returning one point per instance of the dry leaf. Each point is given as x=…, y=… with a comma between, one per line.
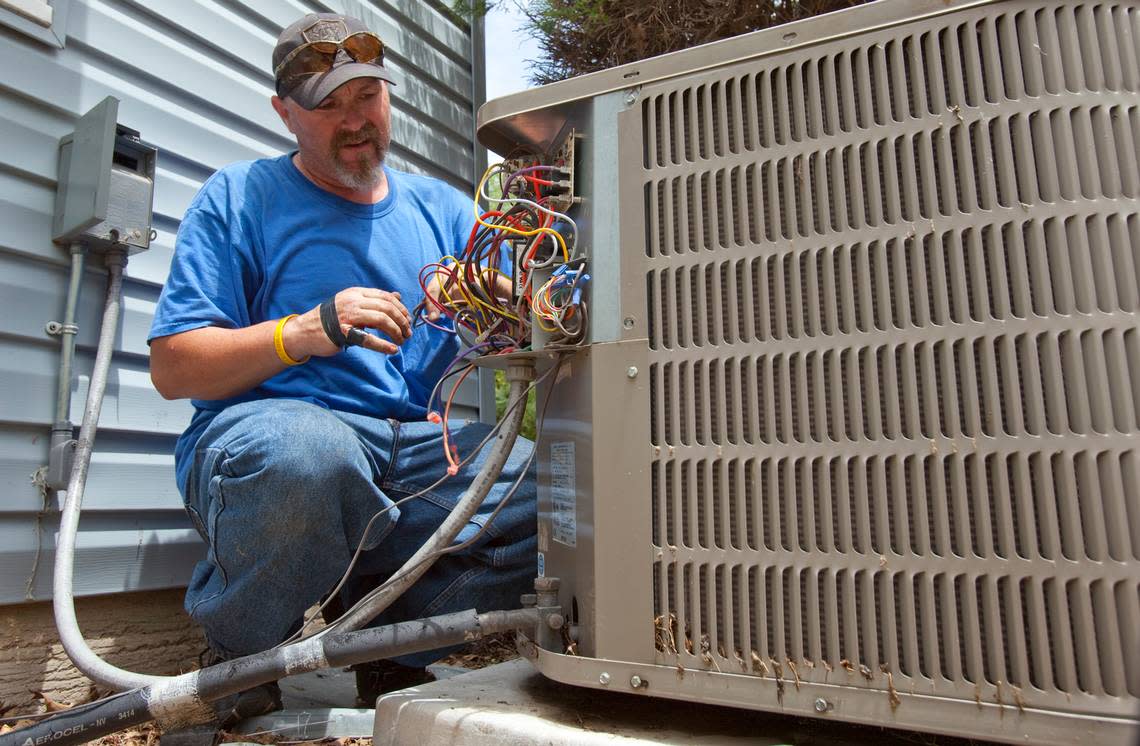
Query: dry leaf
x=50, y=705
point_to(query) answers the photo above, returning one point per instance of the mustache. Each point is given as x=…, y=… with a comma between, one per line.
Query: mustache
x=368, y=133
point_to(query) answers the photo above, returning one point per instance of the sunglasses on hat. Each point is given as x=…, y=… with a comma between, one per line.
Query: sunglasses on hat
x=318, y=56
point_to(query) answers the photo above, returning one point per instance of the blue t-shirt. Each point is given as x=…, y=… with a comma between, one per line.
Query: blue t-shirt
x=260, y=241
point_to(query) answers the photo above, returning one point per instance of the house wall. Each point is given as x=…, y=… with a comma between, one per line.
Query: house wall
x=193, y=78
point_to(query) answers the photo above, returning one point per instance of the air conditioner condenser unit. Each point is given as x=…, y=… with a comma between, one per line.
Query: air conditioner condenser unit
x=856, y=433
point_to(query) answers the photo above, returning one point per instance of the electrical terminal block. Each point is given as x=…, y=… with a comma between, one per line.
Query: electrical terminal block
x=562, y=193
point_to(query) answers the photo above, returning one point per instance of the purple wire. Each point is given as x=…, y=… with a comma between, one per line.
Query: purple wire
x=434, y=325
x=447, y=371
x=532, y=169
x=461, y=357
x=527, y=170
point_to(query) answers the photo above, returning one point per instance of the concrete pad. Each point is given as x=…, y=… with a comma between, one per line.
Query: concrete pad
x=511, y=703
x=335, y=687
x=322, y=704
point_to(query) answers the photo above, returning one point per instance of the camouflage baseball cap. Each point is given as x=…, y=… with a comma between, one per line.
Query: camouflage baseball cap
x=321, y=52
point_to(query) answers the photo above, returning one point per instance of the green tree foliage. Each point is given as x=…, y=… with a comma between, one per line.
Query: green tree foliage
x=583, y=36
x=502, y=391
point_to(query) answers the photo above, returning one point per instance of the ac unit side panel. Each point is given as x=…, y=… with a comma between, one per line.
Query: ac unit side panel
x=594, y=511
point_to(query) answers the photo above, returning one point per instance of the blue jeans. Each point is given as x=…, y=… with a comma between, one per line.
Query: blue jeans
x=282, y=491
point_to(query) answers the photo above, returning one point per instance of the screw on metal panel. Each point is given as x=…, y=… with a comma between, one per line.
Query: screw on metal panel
x=631, y=96
x=822, y=705
x=632, y=371
x=627, y=322
x=604, y=679
x=637, y=682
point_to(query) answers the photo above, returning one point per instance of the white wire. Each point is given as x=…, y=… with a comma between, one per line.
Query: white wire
x=498, y=168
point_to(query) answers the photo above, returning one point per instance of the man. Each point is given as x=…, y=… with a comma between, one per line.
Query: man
x=305, y=427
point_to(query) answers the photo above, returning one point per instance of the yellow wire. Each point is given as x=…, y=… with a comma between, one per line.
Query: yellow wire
x=449, y=301
x=470, y=300
x=509, y=229
x=489, y=307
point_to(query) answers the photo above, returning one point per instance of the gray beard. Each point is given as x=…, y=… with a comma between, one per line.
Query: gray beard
x=360, y=178
x=363, y=174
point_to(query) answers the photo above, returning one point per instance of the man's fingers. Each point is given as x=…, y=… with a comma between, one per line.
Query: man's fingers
x=380, y=294
x=397, y=328
x=360, y=337
x=378, y=310
x=376, y=344
x=382, y=300
x=393, y=310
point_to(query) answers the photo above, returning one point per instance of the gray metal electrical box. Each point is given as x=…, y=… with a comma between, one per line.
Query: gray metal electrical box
x=106, y=184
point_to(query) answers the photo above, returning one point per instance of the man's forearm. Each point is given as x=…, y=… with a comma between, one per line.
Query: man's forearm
x=214, y=363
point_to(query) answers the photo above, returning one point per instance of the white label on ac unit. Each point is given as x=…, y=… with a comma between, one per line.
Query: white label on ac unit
x=562, y=494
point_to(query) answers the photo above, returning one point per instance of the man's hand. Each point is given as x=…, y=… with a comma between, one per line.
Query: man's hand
x=443, y=289
x=363, y=308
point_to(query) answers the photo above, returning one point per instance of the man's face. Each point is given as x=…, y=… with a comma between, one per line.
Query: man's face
x=344, y=139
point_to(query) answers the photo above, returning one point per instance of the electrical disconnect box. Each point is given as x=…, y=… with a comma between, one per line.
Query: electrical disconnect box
x=103, y=204
x=106, y=184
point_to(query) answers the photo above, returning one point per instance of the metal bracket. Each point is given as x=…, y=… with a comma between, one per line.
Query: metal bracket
x=56, y=329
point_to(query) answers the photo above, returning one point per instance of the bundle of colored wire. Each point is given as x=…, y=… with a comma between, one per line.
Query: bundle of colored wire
x=473, y=296
x=491, y=309
x=558, y=304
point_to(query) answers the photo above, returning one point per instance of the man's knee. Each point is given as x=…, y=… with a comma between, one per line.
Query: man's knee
x=284, y=438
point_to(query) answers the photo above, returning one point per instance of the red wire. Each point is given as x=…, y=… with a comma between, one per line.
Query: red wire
x=451, y=459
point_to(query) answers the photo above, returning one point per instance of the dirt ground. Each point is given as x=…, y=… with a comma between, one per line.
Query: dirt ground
x=478, y=654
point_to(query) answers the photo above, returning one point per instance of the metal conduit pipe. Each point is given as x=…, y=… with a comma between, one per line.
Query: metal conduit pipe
x=519, y=375
x=67, y=335
x=62, y=431
x=63, y=601
x=176, y=700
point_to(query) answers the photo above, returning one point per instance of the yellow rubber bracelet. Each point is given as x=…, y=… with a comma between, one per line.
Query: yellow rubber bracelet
x=279, y=343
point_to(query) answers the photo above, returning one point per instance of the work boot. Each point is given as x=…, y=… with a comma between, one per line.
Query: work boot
x=229, y=710
x=383, y=676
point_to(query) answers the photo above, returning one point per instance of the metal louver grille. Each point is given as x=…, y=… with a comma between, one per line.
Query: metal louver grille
x=893, y=285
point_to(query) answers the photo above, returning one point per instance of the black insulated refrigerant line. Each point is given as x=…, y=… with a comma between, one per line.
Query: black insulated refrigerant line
x=174, y=701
